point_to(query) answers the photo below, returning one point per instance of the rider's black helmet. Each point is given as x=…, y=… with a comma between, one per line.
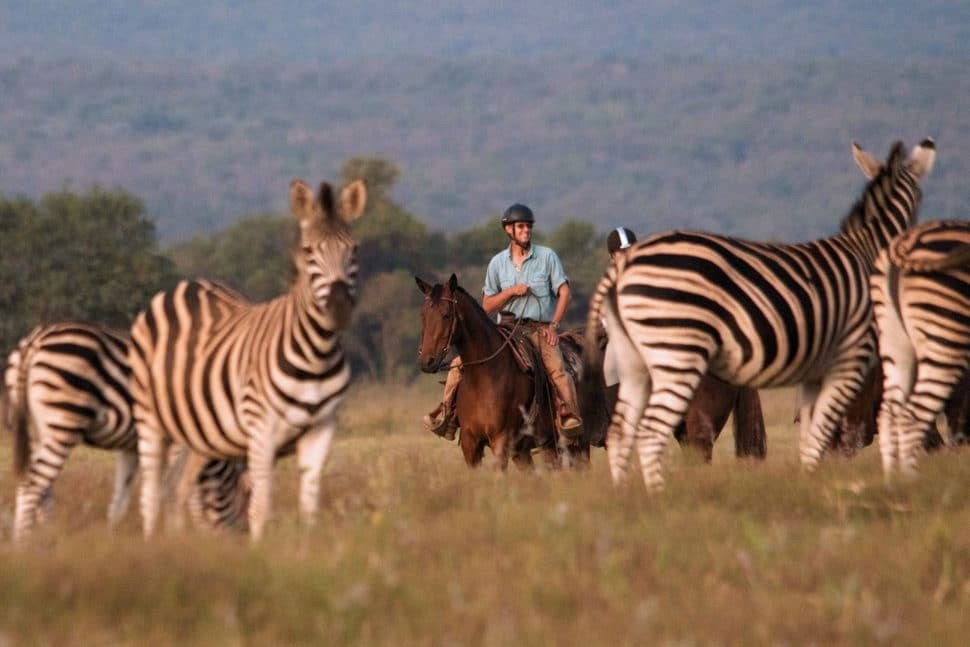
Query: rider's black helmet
x=620, y=238
x=517, y=213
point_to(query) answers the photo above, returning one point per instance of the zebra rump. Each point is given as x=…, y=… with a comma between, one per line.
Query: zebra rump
x=921, y=298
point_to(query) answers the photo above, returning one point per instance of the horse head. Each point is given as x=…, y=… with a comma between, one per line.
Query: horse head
x=439, y=321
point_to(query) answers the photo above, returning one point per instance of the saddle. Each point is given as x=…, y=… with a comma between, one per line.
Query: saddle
x=526, y=355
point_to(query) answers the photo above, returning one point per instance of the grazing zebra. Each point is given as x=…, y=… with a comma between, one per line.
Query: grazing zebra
x=67, y=383
x=680, y=304
x=228, y=378
x=921, y=298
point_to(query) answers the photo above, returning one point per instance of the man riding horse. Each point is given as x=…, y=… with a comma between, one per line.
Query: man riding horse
x=528, y=281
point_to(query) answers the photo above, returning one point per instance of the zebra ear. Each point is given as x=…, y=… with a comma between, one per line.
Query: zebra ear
x=922, y=158
x=425, y=286
x=301, y=197
x=353, y=199
x=870, y=165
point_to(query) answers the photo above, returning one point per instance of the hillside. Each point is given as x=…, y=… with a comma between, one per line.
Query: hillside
x=312, y=32
x=759, y=149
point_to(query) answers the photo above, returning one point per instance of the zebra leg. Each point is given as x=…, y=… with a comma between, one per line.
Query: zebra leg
x=126, y=466
x=261, y=455
x=670, y=395
x=187, y=485
x=47, y=459
x=152, y=454
x=312, y=450
x=807, y=395
x=840, y=387
x=933, y=387
x=630, y=403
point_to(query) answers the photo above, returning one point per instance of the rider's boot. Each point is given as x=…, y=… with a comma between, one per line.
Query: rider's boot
x=437, y=420
x=570, y=424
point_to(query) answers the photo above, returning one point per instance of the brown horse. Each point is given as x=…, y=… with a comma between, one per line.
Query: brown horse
x=499, y=405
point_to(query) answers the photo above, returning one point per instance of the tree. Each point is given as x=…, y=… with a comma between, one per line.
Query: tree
x=387, y=325
x=253, y=255
x=90, y=256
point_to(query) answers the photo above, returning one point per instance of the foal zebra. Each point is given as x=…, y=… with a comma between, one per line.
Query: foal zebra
x=228, y=378
x=67, y=383
x=921, y=298
x=680, y=304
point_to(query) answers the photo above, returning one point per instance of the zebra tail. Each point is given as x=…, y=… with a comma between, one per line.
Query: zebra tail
x=591, y=386
x=16, y=409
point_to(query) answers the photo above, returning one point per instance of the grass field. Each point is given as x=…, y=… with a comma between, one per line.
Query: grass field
x=413, y=548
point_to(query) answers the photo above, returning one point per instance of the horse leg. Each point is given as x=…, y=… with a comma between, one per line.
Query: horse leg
x=472, y=448
x=750, y=439
x=522, y=458
x=699, y=428
x=501, y=450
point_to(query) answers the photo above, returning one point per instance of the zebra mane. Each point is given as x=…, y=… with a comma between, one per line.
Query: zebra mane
x=858, y=215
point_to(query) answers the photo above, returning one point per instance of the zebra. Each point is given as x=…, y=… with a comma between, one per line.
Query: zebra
x=230, y=379
x=680, y=304
x=68, y=383
x=921, y=298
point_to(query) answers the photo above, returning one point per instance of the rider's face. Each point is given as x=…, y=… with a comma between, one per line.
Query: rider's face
x=521, y=232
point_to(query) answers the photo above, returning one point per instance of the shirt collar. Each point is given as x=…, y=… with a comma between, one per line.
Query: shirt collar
x=532, y=251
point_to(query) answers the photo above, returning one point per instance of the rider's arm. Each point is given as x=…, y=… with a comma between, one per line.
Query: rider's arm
x=493, y=303
x=565, y=296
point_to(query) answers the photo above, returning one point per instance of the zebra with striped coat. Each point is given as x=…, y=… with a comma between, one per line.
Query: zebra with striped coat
x=921, y=298
x=228, y=378
x=67, y=383
x=680, y=304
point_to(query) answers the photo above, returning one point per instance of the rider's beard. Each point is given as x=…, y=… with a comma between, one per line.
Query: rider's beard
x=523, y=246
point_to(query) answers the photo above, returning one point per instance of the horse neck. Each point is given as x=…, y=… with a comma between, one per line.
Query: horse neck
x=477, y=337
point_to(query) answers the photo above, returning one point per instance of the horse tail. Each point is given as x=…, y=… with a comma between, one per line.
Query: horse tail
x=749, y=425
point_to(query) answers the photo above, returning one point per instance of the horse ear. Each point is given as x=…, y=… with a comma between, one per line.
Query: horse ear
x=424, y=286
x=453, y=283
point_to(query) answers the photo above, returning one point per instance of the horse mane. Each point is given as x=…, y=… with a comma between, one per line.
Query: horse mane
x=475, y=304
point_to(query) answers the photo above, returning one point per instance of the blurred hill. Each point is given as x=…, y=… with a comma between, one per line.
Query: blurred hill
x=653, y=115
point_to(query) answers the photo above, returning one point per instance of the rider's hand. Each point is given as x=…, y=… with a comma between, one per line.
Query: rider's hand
x=551, y=333
x=519, y=290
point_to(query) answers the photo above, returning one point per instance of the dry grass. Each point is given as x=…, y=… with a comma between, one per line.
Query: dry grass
x=413, y=548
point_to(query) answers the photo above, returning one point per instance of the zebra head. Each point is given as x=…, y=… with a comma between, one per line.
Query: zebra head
x=327, y=258
x=890, y=203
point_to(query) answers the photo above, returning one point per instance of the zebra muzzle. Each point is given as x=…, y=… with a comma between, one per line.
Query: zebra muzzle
x=340, y=302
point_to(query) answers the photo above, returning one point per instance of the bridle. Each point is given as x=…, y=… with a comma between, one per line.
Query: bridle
x=455, y=316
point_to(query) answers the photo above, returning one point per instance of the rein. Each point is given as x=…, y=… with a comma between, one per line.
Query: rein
x=454, y=327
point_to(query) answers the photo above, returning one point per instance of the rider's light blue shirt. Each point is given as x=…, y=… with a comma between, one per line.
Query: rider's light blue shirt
x=541, y=270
